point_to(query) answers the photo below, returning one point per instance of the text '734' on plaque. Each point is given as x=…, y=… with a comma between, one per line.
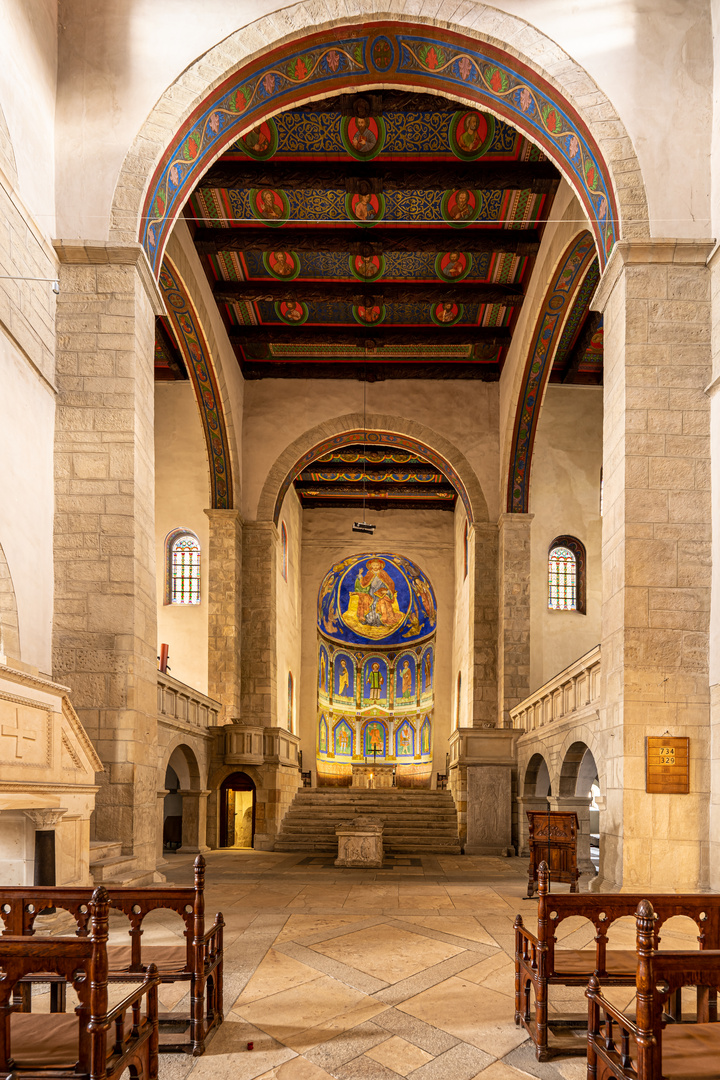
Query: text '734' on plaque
x=668, y=765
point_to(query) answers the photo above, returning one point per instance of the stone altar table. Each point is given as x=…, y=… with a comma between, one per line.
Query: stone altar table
x=360, y=843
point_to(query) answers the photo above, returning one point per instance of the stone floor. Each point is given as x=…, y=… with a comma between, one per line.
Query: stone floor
x=370, y=974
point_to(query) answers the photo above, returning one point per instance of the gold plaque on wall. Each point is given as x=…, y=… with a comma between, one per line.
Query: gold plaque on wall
x=667, y=765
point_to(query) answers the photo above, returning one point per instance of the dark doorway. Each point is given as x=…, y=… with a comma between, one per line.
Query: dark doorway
x=237, y=811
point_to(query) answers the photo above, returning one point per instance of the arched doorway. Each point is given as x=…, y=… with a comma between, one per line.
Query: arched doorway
x=237, y=811
x=184, y=822
x=579, y=781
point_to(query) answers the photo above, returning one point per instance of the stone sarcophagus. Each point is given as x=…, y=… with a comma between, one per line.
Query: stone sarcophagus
x=360, y=843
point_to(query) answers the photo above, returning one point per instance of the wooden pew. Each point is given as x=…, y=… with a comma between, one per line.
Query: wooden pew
x=540, y=965
x=93, y=1043
x=198, y=961
x=649, y=1048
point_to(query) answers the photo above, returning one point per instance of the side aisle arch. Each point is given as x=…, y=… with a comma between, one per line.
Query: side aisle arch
x=450, y=59
x=575, y=276
x=196, y=353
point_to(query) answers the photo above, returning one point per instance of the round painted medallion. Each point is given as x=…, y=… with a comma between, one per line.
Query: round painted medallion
x=260, y=143
x=363, y=136
x=292, y=312
x=284, y=265
x=471, y=134
x=366, y=209
x=446, y=313
x=367, y=267
x=461, y=206
x=370, y=315
x=382, y=53
x=270, y=206
x=453, y=265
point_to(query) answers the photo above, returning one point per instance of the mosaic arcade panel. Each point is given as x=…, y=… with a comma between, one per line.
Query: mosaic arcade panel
x=377, y=616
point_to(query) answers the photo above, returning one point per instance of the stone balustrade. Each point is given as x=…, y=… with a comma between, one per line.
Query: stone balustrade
x=254, y=744
x=178, y=702
x=576, y=687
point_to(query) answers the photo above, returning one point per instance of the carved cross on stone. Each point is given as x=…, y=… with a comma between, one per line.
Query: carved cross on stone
x=18, y=734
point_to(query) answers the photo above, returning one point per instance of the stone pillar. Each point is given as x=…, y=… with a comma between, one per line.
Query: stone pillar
x=489, y=760
x=535, y=804
x=485, y=627
x=194, y=822
x=655, y=300
x=104, y=630
x=224, y=610
x=579, y=805
x=514, y=613
x=160, y=859
x=259, y=654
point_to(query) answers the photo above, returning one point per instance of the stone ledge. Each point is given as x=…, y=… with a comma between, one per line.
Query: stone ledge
x=105, y=253
x=644, y=252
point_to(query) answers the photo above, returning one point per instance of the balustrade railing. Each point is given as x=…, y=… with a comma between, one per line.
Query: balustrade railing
x=177, y=701
x=576, y=687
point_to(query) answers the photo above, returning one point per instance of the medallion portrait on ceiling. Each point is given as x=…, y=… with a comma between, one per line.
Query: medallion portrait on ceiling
x=405, y=740
x=292, y=312
x=367, y=267
x=471, y=134
x=343, y=739
x=446, y=314
x=284, y=265
x=269, y=205
x=363, y=136
x=365, y=209
x=461, y=206
x=261, y=143
x=453, y=265
x=344, y=681
x=373, y=313
x=374, y=739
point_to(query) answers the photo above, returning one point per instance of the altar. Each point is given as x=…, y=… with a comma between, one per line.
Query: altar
x=372, y=776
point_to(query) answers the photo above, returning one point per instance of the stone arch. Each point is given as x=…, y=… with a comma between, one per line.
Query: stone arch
x=198, y=358
x=289, y=56
x=354, y=426
x=582, y=736
x=573, y=759
x=9, y=625
x=182, y=758
x=215, y=782
x=533, y=772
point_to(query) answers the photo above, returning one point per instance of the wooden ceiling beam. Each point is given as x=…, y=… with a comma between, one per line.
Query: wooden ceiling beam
x=354, y=240
x=370, y=337
x=365, y=370
x=355, y=292
x=385, y=175
x=592, y=322
x=377, y=505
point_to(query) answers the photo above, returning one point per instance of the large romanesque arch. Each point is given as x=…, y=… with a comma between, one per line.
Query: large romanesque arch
x=289, y=57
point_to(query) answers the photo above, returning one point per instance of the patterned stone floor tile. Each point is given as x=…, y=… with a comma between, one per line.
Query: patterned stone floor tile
x=481, y=1017
x=387, y=952
x=416, y=1031
x=461, y=1063
x=348, y=1045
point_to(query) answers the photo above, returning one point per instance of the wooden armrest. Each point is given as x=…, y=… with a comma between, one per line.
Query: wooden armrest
x=151, y=979
x=218, y=925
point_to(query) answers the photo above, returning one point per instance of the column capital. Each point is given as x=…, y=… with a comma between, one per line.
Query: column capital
x=514, y=519
x=676, y=252
x=223, y=515
x=103, y=253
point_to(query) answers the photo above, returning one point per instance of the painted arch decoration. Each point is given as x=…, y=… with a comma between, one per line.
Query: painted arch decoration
x=574, y=269
x=401, y=54
x=196, y=353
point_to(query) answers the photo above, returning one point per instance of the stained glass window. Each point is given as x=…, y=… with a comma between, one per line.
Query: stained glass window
x=562, y=579
x=185, y=569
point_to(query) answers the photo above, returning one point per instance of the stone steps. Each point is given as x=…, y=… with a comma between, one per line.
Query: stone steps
x=108, y=866
x=414, y=821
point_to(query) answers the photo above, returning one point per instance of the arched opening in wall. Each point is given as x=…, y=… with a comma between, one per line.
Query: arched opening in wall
x=377, y=616
x=182, y=775
x=537, y=779
x=9, y=628
x=237, y=811
x=579, y=778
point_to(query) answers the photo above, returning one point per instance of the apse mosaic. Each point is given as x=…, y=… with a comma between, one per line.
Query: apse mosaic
x=376, y=698
x=377, y=597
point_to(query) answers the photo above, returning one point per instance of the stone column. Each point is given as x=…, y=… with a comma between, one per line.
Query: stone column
x=259, y=654
x=655, y=299
x=514, y=613
x=160, y=859
x=579, y=805
x=224, y=610
x=535, y=804
x=104, y=630
x=485, y=626
x=489, y=759
x=194, y=822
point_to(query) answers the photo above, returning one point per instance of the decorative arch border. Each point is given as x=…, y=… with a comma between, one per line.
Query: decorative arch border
x=396, y=53
x=572, y=271
x=371, y=439
x=196, y=353
x=390, y=53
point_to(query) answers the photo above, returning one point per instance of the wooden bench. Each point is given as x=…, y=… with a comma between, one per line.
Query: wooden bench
x=648, y=1047
x=93, y=1042
x=540, y=965
x=198, y=961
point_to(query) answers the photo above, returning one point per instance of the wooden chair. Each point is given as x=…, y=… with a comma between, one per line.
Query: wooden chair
x=648, y=1047
x=540, y=965
x=198, y=961
x=552, y=837
x=95, y=1042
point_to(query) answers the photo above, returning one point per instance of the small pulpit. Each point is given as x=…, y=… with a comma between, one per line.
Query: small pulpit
x=553, y=839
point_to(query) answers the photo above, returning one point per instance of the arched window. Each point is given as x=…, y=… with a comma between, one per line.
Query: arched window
x=284, y=552
x=566, y=575
x=291, y=702
x=182, y=567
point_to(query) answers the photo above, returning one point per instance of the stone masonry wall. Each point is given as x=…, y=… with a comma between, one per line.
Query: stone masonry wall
x=514, y=612
x=225, y=610
x=258, y=664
